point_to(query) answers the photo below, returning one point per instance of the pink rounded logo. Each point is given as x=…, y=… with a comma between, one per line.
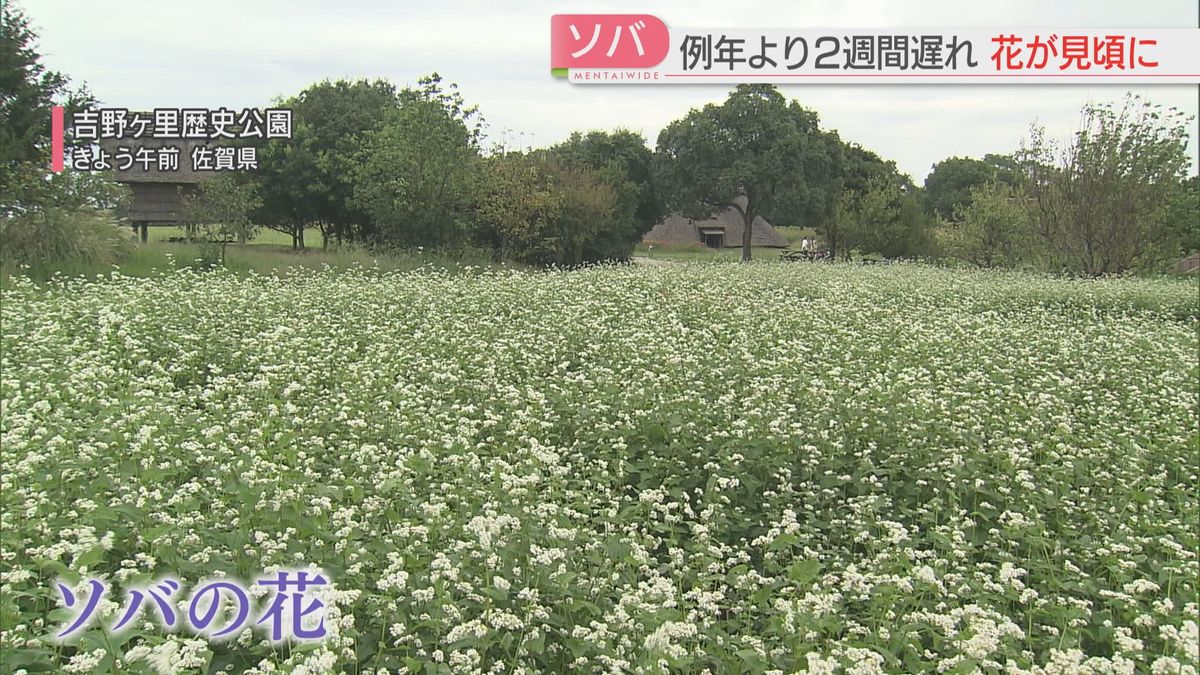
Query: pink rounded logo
x=607, y=41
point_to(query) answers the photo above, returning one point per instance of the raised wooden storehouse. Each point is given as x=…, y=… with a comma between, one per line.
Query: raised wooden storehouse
x=156, y=195
x=721, y=231
x=1189, y=265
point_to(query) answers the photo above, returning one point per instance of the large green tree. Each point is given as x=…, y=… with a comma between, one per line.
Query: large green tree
x=993, y=230
x=414, y=175
x=538, y=210
x=624, y=163
x=28, y=91
x=758, y=153
x=948, y=186
x=1108, y=200
x=862, y=172
x=883, y=217
x=308, y=180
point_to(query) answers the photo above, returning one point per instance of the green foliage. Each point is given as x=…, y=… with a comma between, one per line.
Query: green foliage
x=415, y=175
x=221, y=208
x=31, y=187
x=1104, y=203
x=309, y=180
x=993, y=229
x=27, y=91
x=758, y=153
x=539, y=211
x=948, y=187
x=874, y=211
x=860, y=167
x=884, y=218
x=1007, y=169
x=54, y=235
x=624, y=163
x=1180, y=231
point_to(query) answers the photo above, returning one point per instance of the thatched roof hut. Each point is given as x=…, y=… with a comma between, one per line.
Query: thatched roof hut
x=721, y=231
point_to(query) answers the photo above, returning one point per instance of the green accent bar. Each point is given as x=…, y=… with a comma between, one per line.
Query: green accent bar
x=559, y=72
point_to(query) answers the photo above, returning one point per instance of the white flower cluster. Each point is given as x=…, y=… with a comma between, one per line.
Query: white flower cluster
x=680, y=468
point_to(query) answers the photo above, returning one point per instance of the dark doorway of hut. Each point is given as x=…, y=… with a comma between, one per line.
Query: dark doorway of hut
x=714, y=239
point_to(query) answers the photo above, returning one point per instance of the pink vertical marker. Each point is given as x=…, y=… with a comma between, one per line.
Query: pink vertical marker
x=56, y=139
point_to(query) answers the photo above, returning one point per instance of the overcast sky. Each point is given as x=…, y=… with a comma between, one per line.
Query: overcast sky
x=152, y=53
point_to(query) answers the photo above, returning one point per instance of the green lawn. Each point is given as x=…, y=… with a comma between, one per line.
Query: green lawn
x=312, y=236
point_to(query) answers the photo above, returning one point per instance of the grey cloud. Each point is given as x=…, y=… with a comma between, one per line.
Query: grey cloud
x=146, y=53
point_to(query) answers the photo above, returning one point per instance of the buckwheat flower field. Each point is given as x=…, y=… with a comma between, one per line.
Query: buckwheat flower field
x=690, y=468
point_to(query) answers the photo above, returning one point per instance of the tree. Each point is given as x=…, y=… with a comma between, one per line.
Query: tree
x=28, y=90
x=757, y=153
x=540, y=211
x=1181, y=224
x=948, y=187
x=884, y=217
x=224, y=202
x=220, y=209
x=414, y=176
x=308, y=181
x=993, y=229
x=46, y=218
x=1006, y=169
x=861, y=170
x=1104, y=202
x=624, y=163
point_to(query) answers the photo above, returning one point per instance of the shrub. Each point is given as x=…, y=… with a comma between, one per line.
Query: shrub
x=58, y=235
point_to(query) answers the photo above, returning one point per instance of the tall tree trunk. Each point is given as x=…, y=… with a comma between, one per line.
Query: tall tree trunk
x=301, y=238
x=748, y=223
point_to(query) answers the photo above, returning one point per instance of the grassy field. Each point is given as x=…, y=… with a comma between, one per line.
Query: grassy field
x=693, y=467
x=271, y=253
x=312, y=236
x=159, y=257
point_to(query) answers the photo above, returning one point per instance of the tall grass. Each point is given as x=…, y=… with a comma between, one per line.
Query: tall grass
x=53, y=236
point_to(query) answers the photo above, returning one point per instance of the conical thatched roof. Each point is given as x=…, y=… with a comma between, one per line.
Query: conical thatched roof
x=678, y=229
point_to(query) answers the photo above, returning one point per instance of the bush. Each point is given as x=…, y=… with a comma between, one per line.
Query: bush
x=56, y=235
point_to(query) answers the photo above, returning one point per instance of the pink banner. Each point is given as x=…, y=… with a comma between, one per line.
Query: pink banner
x=607, y=41
x=56, y=139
